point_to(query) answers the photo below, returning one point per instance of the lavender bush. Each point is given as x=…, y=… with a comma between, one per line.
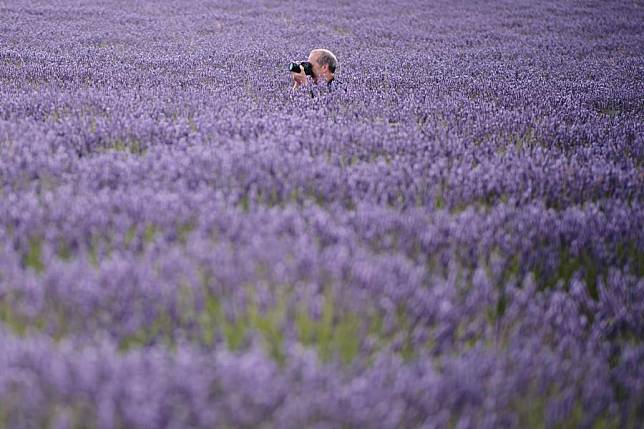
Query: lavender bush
x=452, y=239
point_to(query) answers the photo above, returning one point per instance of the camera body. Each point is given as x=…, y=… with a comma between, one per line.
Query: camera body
x=307, y=66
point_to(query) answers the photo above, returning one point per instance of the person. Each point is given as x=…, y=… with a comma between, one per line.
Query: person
x=323, y=63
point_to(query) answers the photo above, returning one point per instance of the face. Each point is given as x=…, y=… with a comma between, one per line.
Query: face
x=317, y=69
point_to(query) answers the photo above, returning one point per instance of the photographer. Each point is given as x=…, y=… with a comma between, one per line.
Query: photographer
x=321, y=65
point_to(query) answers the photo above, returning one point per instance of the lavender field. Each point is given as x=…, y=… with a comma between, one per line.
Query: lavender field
x=452, y=239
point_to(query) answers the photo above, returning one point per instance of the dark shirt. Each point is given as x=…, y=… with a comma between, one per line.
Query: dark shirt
x=331, y=86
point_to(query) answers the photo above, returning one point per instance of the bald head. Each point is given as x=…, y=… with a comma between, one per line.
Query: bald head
x=324, y=57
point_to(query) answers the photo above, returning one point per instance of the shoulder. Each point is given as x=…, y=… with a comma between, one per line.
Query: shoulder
x=334, y=85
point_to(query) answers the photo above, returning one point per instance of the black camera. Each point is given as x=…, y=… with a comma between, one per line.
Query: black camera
x=295, y=68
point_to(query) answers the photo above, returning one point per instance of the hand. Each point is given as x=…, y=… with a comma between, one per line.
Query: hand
x=299, y=79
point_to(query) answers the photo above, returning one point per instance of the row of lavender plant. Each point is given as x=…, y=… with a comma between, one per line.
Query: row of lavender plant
x=539, y=364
